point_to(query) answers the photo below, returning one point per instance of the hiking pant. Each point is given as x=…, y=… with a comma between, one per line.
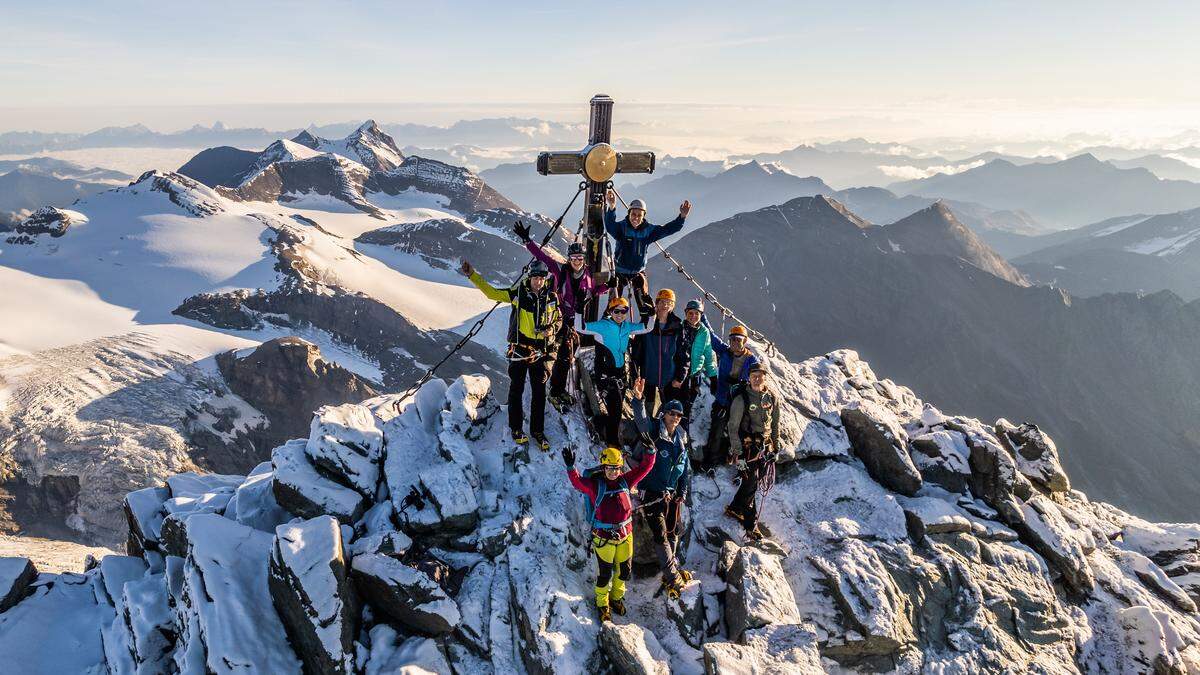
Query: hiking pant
x=662, y=513
x=639, y=288
x=610, y=554
x=744, y=500
x=535, y=371
x=610, y=387
x=716, y=448
x=568, y=342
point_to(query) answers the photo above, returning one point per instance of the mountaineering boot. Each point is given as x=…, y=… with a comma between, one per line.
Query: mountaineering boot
x=605, y=614
x=675, y=586
x=561, y=401
x=618, y=607
x=734, y=513
x=541, y=441
x=685, y=576
x=519, y=436
x=755, y=534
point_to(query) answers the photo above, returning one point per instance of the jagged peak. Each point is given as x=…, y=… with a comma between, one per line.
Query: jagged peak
x=307, y=139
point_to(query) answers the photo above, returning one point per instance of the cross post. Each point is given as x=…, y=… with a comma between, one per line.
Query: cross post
x=597, y=162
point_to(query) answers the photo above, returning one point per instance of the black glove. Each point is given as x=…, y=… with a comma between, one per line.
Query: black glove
x=568, y=457
x=522, y=231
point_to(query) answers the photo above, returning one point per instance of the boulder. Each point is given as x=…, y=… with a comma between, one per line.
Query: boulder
x=15, y=576
x=344, y=443
x=311, y=591
x=144, y=513
x=689, y=614
x=404, y=594
x=633, y=650
x=995, y=477
x=1045, y=530
x=942, y=457
x=880, y=445
x=304, y=492
x=1035, y=454
x=875, y=611
x=757, y=593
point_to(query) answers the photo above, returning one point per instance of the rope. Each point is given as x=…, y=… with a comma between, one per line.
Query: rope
x=725, y=311
x=478, y=325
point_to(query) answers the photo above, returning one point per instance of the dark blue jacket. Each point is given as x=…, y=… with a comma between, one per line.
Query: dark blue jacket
x=658, y=354
x=631, y=243
x=725, y=379
x=672, y=466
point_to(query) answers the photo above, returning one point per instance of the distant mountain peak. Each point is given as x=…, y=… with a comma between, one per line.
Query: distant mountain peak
x=306, y=139
x=936, y=230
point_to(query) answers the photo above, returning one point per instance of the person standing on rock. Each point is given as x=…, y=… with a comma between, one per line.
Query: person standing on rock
x=612, y=523
x=734, y=362
x=532, y=328
x=632, y=235
x=694, y=339
x=753, y=445
x=609, y=371
x=576, y=289
x=660, y=360
x=665, y=489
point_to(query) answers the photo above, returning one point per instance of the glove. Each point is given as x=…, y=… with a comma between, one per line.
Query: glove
x=568, y=457
x=741, y=464
x=522, y=231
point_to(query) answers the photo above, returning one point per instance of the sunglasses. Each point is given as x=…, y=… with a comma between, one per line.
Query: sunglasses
x=576, y=257
x=672, y=413
x=621, y=310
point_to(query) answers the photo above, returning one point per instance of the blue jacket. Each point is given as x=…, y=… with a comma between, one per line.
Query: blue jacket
x=660, y=357
x=631, y=243
x=672, y=466
x=614, y=336
x=725, y=379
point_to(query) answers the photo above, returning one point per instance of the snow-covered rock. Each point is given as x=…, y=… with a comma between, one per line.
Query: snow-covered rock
x=633, y=650
x=311, y=589
x=880, y=444
x=405, y=594
x=345, y=443
x=303, y=491
x=757, y=593
x=15, y=576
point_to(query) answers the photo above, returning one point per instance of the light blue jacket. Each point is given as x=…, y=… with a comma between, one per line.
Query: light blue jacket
x=614, y=336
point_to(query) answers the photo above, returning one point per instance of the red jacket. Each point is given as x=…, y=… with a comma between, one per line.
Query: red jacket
x=616, y=508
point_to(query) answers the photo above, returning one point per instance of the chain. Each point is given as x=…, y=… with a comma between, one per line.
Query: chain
x=725, y=311
x=478, y=325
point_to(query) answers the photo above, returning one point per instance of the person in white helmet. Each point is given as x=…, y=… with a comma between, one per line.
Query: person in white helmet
x=632, y=235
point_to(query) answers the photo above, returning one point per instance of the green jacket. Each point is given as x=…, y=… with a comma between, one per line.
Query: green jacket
x=535, y=318
x=704, y=360
x=753, y=413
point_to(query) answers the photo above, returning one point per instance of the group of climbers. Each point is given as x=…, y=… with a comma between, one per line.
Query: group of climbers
x=659, y=364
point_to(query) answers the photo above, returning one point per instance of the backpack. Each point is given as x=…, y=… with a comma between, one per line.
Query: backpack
x=741, y=389
x=601, y=492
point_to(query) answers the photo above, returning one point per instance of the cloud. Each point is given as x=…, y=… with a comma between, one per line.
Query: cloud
x=916, y=172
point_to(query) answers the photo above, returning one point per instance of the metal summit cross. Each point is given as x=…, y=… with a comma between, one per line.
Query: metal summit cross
x=597, y=162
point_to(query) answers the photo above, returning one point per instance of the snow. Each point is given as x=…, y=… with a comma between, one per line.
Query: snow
x=345, y=439
x=1113, y=229
x=11, y=569
x=54, y=312
x=396, y=573
x=293, y=469
x=1164, y=245
x=255, y=504
x=65, y=608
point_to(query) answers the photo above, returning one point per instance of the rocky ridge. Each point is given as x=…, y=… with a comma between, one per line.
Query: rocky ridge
x=902, y=539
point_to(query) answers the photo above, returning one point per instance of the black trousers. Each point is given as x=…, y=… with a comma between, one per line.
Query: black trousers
x=715, y=450
x=536, y=372
x=613, y=392
x=744, y=501
x=662, y=514
x=568, y=342
x=640, y=288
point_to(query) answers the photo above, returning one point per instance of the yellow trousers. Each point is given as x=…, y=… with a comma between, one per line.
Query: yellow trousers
x=610, y=554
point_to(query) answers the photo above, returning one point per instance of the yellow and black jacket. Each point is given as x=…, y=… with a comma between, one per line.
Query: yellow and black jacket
x=535, y=318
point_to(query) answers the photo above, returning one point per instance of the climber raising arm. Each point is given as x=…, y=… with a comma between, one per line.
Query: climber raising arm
x=587, y=487
x=663, y=231
x=639, y=406
x=492, y=293
x=635, y=476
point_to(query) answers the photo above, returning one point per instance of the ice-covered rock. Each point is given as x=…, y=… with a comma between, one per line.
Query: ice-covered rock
x=15, y=576
x=757, y=593
x=345, y=443
x=880, y=444
x=311, y=589
x=633, y=650
x=303, y=491
x=405, y=594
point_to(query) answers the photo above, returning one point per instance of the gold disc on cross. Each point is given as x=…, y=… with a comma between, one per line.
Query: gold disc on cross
x=600, y=164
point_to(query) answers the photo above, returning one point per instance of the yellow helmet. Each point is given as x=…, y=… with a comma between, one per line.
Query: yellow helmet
x=611, y=457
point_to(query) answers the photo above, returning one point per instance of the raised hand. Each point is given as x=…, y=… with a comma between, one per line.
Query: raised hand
x=611, y=198
x=521, y=230
x=639, y=387
x=685, y=208
x=568, y=456
x=466, y=269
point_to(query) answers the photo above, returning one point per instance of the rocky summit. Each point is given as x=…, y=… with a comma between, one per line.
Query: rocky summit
x=411, y=534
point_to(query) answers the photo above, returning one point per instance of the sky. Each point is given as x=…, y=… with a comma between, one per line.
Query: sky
x=894, y=70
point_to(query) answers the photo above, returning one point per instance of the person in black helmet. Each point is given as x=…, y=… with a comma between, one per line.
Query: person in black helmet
x=576, y=291
x=532, y=329
x=632, y=236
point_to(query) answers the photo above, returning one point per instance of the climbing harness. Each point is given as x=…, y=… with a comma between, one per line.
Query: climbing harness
x=478, y=325
x=725, y=311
